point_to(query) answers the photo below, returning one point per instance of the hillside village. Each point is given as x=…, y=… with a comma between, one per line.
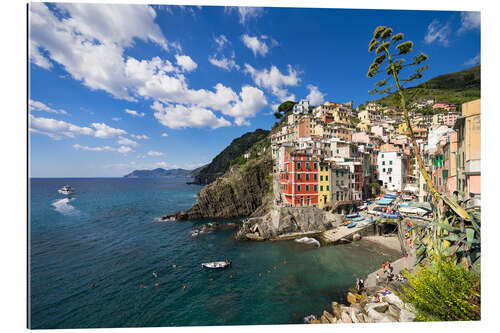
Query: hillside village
x=332, y=156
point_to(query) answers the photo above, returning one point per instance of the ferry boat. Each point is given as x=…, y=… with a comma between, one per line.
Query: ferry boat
x=66, y=190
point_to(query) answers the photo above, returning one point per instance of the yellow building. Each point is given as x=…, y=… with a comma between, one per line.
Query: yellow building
x=324, y=184
x=364, y=126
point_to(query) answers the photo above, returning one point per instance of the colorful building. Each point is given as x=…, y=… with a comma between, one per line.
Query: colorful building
x=325, y=178
x=299, y=178
x=468, y=129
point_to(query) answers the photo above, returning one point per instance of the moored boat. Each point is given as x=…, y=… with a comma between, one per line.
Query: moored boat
x=216, y=264
x=351, y=225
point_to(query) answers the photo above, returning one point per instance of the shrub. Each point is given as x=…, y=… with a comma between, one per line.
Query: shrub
x=443, y=291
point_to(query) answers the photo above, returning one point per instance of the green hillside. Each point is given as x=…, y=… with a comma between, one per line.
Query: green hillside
x=222, y=162
x=457, y=88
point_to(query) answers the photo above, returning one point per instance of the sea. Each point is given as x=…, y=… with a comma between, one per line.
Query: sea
x=91, y=259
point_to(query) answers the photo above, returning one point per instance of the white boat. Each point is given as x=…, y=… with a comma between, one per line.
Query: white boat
x=216, y=264
x=66, y=190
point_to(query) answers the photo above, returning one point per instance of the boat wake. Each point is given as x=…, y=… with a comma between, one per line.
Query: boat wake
x=62, y=206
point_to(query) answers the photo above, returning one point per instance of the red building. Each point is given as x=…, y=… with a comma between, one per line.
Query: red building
x=299, y=180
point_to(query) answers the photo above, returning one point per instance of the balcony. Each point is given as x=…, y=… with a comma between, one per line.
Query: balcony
x=473, y=167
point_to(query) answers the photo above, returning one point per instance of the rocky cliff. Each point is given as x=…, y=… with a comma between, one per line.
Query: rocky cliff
x=239, y=192
x=280, y=221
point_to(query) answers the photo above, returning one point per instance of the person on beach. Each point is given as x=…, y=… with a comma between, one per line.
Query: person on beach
x=377, y=279
x=383, y=268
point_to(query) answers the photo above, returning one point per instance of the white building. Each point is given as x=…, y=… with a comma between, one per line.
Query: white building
x=301, y=107
x=392, y=170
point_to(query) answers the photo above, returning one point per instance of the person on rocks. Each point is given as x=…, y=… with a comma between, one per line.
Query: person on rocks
x=358, y=284
x=377, y=279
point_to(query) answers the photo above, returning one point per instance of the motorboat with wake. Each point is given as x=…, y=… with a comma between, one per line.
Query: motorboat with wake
x=66, y=190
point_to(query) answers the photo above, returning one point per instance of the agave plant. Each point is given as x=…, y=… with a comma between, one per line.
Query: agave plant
x=454, y=230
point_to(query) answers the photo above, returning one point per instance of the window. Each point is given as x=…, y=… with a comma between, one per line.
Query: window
x=298, y=176
x=342, y=182
x=390, y=179
x=390, y=170
x=326, y=177
x=328, y=187
x=307, y=176
x=383, y=170
x=315, y=188
x=383, y=162
x=390, y=162
x=307, y=188
x=315, y=176
x=307, y=165
x=382, y=155
x=298, y=188
x=321, y=187
x=336, y=173
x=321, y=177
x=298, y=165
x=315, y=166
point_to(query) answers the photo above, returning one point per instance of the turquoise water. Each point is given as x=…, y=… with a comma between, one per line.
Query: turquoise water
x=107, y=235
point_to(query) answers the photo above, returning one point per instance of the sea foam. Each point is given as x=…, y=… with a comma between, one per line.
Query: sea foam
x=62, y=206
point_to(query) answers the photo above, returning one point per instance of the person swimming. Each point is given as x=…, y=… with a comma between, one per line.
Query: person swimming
x=155, y=274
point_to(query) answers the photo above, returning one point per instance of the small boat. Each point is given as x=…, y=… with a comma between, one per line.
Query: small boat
x=216, y=264
x=351, y=225
x=357, y=219
x=352, y=216
x=66, y=190
x=371, y=219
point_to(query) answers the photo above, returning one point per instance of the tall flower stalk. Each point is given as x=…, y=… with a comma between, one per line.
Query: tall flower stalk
x=391, y=52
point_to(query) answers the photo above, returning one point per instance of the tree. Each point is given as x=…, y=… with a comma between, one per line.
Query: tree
x=278, y=115
x=390, y=51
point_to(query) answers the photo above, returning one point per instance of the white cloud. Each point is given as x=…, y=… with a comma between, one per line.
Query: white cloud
x=180, y=116
x=104, y=131
x=121, y=149
x=274, y=80
x=257, y=46
x=164, y=134
x=83, y=42
x=221, y=41
x=135, y=113
x=124, y=150
x=56, y=129
x=315, y=96
x=246, y=13
x=473, y=61
x=127, y=142
x=186, y=62
x=251, y=101
x=224, y=63
x=469, y=21
x=161, y=164
x=139, y=137
x=437, y=32
x=36, y=56
x=154, y=153
x=90, y=40
x=39, y=106
x=116, y=118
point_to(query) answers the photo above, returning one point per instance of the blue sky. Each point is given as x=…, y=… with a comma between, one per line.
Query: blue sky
x=115, y=88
